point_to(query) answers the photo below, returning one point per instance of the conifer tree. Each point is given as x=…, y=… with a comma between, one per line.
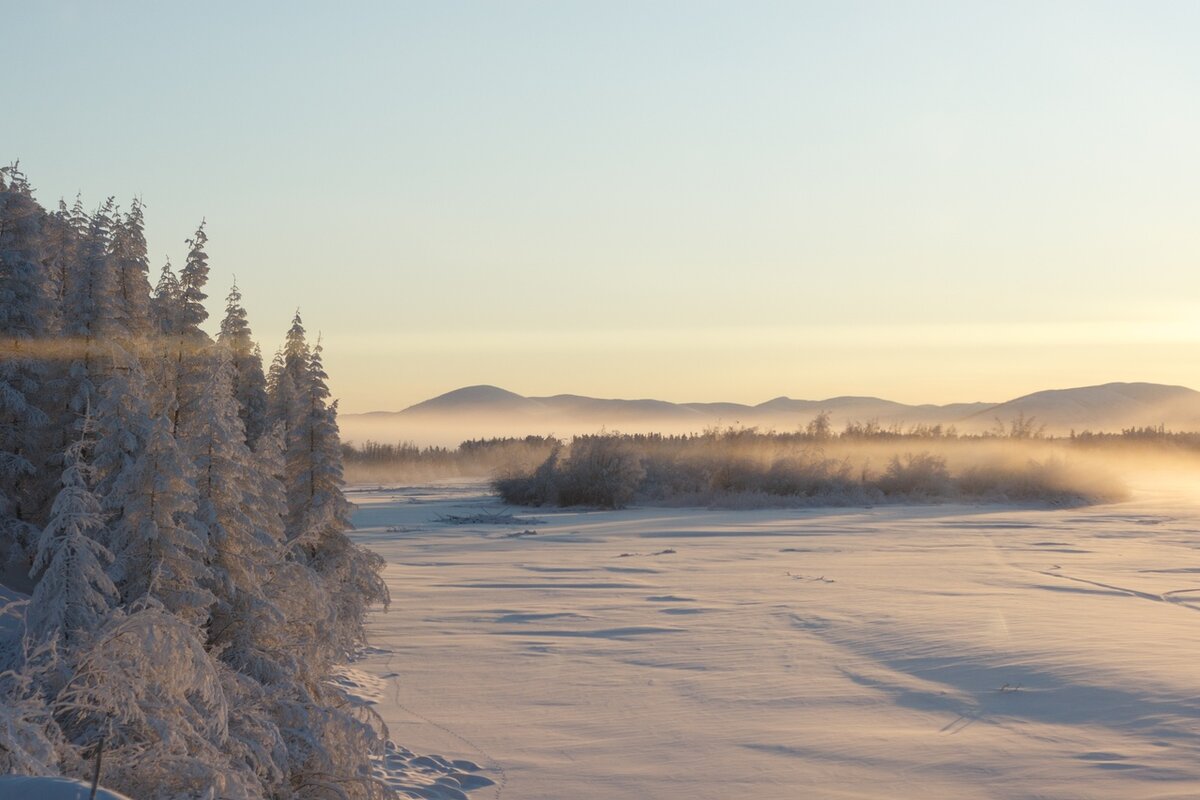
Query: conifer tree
x=318, y=512
x=249, y=383
x=160, y=550
x=24, y=310
x=293, y=645
x=91, y=296
x=132, y=315
x=186, y=361
x=283, y=402
x=88, y=314
x=73, y=591
x=123, y=426
x=243, y=542
x=60, y=249
x=192, y=280
x=165, y=302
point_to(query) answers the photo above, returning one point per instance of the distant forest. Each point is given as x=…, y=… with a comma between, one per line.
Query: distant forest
x=172, y=528
x=863, y=463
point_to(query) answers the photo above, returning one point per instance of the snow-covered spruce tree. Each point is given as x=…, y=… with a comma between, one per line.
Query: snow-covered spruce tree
x=159, y=547
x=192, y=280
x=245, y=539
x=288, y=379
x=318, y=512
x=123, y=423
x=91, y=297
x=282, y=400
x=88, y=315
x=183, y=370
x=131, y=308
x=164, y=303
x=24, y=311
x=303, y=648
x=249, y=382
x=60, y=247
x=171, y=619
x=73, y=593
x=327, y=740
x=63, y=235
x=325, y=588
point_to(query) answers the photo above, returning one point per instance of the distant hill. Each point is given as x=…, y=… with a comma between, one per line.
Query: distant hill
x=485, y=411
x=490, y=400
x=1109, y=407
x=472, y=399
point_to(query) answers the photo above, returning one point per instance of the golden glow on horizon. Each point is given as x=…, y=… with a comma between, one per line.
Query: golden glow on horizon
x=916, y=363
x=740, y=338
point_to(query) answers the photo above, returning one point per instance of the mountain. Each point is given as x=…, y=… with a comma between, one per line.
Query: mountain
x=486, y=411
x=472, y=399
x=1108, y=407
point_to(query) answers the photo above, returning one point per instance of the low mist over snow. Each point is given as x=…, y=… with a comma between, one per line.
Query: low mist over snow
x=487, y=411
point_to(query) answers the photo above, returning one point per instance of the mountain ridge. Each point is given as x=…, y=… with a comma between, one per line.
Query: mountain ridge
x=486, y=410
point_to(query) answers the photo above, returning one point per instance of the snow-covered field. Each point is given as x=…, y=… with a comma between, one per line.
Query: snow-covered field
x=901, y=652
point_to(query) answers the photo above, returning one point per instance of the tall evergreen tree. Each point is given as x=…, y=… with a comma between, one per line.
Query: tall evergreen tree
x=283, y=401
x=165, y=302
x=160, y=550
x=131, y=267
x=91, y=297
x=318, y=511
x=24, y=311
x=192, y=280
x=186, y=364
x=243, y=542
x=88, y=314
x=124, y=421
x=249, y=383
x=60, y=249
x=73, y=592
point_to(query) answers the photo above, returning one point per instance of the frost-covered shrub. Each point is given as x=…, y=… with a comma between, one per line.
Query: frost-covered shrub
x=744, y=468
x=30, y=741
x=539, y=488
x=809, y=477
x=330, y=742
x=1053, y=480
x=916, y=475
x=601, y=471
x=733, y=475
x=667, y=478
x=147, y=687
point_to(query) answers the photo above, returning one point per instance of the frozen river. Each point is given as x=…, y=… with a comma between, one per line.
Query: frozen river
x=899, y=652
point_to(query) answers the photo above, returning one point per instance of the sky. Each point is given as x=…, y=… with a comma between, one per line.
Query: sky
x=692, y=201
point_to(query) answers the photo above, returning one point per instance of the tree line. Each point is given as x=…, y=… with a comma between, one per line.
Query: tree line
x=174, y=511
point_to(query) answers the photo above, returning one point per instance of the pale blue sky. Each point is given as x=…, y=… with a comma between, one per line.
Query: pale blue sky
x=927, y=201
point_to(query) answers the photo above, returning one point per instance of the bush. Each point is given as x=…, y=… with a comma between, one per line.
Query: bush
x=919, y=475
x=740, y=468
x=806, y=477
x=601, y=471
x=540, y=488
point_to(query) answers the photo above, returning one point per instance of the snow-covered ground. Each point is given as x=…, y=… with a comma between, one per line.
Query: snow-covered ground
x=901, y=652
x=25, y=787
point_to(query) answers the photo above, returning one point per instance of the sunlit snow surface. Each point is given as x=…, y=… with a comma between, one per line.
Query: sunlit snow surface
x=900, y=652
